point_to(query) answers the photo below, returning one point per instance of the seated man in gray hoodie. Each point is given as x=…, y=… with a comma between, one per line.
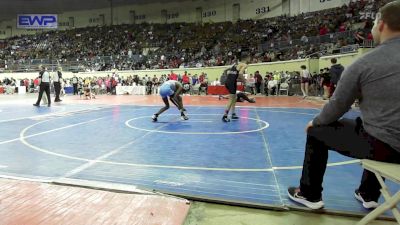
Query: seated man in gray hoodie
x=374, y=79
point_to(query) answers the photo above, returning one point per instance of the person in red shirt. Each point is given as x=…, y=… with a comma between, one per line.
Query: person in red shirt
x=369, y=36
x=173, y=76
x=323, y=30
x=36, y=82
x=342, y=27
x=26, y=84
x=185, y=78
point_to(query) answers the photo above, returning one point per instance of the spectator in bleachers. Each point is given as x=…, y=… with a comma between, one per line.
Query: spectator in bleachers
x=208, y=44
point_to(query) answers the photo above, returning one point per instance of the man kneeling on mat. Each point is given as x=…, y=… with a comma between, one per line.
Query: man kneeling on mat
x=171, y=89
x=240, y=97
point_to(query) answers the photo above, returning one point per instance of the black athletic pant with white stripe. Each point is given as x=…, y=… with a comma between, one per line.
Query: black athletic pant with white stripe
x=347, y=137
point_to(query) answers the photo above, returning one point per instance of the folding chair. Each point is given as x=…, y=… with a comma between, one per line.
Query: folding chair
x=196, y=89
x=389, y=171
x=203, y=89
x=284, y=87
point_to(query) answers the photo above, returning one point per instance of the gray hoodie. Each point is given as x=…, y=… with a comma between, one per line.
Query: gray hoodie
x=374, y=79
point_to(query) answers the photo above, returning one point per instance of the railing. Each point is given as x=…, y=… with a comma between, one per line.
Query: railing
x=316, y=40
x=368, y=44
x=80, y=65
x=342, y=50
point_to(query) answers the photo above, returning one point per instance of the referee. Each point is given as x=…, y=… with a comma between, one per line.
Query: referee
x=44, y=77
x=57, y=84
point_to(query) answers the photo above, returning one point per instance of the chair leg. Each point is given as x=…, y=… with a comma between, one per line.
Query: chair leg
x=386, y=194
x=389, y=204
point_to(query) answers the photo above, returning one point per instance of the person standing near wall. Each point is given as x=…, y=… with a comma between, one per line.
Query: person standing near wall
x=259, y=79
x=305, y=80
x=335, y=71
x=325, y=83
x=57, y=84
x=75, y=84
x=44, y=77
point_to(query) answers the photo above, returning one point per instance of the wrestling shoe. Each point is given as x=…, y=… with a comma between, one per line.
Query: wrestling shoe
x=234, y=116
x=183, y=115
x=225, y=119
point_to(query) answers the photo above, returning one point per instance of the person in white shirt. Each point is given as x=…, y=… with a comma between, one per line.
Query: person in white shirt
x=305, y=80
x=215, y=82
x=62, y=84
x=44, y=77
x=251, y=83
x=272, y=86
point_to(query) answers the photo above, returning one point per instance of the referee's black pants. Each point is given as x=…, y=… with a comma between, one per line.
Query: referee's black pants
x=44, y=87
x=57, y=90
x=347, y=137
x=75, y=89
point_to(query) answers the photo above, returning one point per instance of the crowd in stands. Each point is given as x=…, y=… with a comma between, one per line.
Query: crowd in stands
x=181, y=45
x=256, y=84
